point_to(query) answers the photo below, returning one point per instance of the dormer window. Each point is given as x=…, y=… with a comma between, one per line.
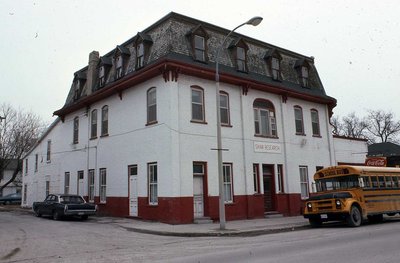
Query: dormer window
x=121, y=60
x=240, y=48
x=198, y=40
x=273, y=59
x=199, y=48
x=304, y=76
x=77, y=86
x=140, y=55
x=118, y=67
x=102, y=78
x=104, y=68
x=303, y=71
x=78, y=83
x=142, y=47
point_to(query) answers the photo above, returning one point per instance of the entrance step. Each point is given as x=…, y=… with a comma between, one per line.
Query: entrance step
x=202, y=220
x=272, y=214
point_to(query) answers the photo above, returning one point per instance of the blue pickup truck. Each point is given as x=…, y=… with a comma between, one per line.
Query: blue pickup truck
x=64, y=205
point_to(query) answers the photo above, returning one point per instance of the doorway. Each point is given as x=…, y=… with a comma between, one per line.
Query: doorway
x=269, y=187
x=133, y=191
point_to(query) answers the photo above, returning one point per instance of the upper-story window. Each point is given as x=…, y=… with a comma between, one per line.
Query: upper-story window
x=240, y=48
x=273, y=59
x=264, y=118
x=198, y=38
x=26, y=166
x=36, y=162
x=78, y=83
x=104, y=69
x=224, y=108
x=303, y=71
x=151, y=105
x=93, y=124
x=121, y=60
x=298, y=118
x=104, y=121
x=102, y=76
x=198, y=104
x=315, y=123
x=118, y=67
x=76, y=130
x=48, y=152
x=142, y=47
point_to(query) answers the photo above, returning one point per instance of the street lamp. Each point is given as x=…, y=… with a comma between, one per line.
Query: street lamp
x=253, y=21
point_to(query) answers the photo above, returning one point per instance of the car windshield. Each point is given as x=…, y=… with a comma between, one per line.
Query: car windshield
x=71, y=200
x=337, y=183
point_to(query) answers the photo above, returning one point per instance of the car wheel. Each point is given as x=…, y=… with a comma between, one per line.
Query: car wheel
x=37, y=213
x=315, y=221
x=354, y=218
x=7, y=203
x=56, y=215
x=84, y=217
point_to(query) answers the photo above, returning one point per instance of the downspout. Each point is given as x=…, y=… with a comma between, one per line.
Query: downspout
x=332, y=156
x=285, y=169
x=244, y=154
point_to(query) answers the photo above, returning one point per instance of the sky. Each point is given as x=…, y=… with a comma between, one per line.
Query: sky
x=356, y=44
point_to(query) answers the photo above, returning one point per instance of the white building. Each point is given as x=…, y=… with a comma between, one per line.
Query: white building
x=15, y=186
x=137, y=131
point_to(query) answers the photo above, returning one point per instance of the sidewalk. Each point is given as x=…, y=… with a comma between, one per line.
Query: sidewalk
x=253, y=227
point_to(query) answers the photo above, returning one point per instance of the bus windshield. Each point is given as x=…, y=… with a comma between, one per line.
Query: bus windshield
x=337, y=183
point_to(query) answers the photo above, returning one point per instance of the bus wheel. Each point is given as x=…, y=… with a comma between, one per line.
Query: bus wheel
x=354, y=218
x=315, y=221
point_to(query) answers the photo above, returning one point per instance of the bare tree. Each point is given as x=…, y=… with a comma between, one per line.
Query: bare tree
x=349, y=126
x=382, y=125
x=18, y=132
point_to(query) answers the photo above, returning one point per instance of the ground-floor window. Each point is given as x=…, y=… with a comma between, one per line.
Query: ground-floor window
x=47, y=188
x=25, y=192
x=304, y=182
x=91, y=185
x=66, y=182
x=228, y=184
x=280, y=179
x=152, y=179
x=103, y=185
x=256, y=178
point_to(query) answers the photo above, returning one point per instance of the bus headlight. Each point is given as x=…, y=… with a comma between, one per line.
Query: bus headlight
x=309, y=206
x=338, y=204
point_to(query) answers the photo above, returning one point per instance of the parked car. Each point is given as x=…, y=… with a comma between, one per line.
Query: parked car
x=11, y=199
x=62, y=205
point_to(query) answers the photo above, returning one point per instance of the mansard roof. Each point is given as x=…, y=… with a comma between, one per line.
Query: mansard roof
x=171, y=51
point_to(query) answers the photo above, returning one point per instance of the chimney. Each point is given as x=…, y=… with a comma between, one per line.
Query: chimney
x=92, y=72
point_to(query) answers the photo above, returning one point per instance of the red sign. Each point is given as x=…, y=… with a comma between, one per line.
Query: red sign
x=375, y=161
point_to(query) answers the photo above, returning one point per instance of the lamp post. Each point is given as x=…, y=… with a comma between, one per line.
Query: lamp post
x=253, y=21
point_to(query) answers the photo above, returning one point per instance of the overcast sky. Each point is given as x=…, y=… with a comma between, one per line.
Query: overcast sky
x=356, y=44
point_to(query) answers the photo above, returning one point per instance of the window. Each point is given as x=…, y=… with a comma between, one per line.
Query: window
x=275, y=68
x=26, y=166
x=93, y=124
x=199, y=48
x=118, y=67
x=280, y=179
x=315, y=123
x=304, y=76
x=264, y=118
x=298, y=117
x=102, y=76
x=25, y=192
x=91, y=185
x=132, y=169
x=304, y=182
x=228, y=184
x=77, y=89
x=66, y=182
x=197, y=105
x=241, y=59
x=36, y=162
x=152, y=105
x=256, y=178
x=104, y=121
x=47, y=188
x=48, y=154
x=75, y=139
x=224, y=108
x=152, y=179
x=140, y=55
x=103, y=185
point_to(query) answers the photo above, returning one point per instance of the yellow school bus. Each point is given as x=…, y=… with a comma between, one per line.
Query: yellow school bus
x=353, y=193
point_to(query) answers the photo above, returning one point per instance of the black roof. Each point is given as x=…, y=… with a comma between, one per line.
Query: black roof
x=384, y=149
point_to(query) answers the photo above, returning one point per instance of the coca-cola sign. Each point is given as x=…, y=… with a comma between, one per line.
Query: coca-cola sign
x=375, y=161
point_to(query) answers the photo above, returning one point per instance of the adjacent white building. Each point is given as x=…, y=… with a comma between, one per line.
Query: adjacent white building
x=137, y=132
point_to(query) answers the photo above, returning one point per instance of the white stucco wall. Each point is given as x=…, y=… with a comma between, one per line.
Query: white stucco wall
x=349, y=150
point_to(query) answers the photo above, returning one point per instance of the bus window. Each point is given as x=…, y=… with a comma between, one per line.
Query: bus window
x=395, y=181
x=364, y=182
x=388, y=180
x=374, y=181
x=381, y=181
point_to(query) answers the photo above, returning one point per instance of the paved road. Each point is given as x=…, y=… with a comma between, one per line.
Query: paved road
x=25, y=238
